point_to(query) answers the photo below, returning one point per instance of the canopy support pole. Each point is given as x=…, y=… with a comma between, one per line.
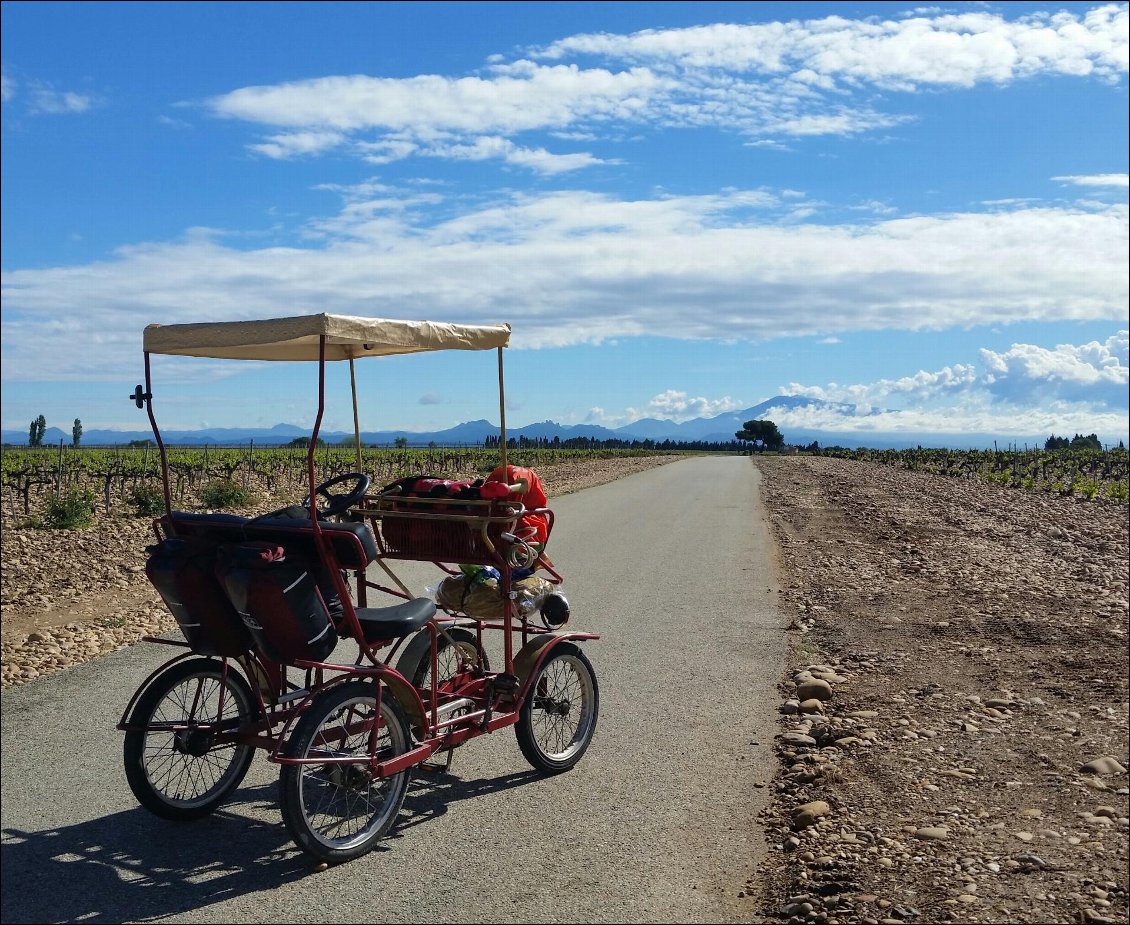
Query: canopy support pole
x=502, y=413
x=148, y=398
x=356, y=423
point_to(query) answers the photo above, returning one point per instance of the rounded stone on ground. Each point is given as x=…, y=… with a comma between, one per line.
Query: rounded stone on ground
x=809, y=813
x=1104, y=766
x=814, y=689
x=932, y=832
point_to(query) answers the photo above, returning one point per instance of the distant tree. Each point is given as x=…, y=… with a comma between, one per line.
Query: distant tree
x=1056, y=443
x=76, y=432
x=305, y=442
x=400, y=443
x=1090, y=442
x=762, y=434
x=140, y=444
x=38, y=429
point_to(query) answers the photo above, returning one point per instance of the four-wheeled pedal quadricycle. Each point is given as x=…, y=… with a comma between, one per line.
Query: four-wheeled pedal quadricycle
x=265, y=603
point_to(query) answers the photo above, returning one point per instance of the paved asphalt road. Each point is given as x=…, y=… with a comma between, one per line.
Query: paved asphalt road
x=658, y=823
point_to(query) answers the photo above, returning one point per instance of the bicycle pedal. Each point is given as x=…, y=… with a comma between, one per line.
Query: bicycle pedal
x=506, y=683
x=438, y=763
x=505, y=688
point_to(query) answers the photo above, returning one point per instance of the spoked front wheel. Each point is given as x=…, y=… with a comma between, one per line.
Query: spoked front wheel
x=334, y=808
x=181, y=757
x=558, y=716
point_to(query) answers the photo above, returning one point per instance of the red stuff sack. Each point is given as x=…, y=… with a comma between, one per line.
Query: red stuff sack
x=533, y=528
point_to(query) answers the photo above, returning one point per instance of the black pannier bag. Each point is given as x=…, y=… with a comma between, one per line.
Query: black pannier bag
x=182, y=569
x=279, y=600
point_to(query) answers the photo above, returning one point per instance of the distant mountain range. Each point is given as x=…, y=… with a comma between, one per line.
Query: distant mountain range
x=473, y=433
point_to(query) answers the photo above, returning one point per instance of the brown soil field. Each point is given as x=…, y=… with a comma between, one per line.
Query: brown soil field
x=953, y=742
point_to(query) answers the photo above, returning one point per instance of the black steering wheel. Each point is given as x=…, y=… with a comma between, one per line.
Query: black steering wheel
x=341, y=502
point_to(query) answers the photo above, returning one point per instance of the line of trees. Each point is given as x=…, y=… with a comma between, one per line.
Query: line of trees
x=612, y=443
x=762, y=435
x=1078, y=442
x=38, y=429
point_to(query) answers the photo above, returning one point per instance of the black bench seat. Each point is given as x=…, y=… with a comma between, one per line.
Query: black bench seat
x=353, y=543
x=383, y=623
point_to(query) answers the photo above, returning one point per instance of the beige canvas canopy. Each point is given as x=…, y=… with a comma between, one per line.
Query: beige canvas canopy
x=347, y=337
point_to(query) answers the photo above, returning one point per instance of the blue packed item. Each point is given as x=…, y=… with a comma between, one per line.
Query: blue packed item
x=481, y=574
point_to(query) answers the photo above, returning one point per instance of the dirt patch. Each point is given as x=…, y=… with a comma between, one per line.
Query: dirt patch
x=953, y=736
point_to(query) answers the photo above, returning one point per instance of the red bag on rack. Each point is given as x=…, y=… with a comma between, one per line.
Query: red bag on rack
x=533, y=528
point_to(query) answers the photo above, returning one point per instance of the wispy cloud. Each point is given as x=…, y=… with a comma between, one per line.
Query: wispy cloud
x=1116, y=180
x=767, y=82
x=295, y=144
x=44, y=99
x=441, y=116
x=37, y=97
x=919, y=50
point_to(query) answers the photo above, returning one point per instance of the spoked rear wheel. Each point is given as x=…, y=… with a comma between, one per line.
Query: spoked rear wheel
x=179, y=762
x=558, y=716
x=335, y=809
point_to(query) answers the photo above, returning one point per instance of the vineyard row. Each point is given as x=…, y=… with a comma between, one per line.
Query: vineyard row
x=1087, y=473
x=111, y=471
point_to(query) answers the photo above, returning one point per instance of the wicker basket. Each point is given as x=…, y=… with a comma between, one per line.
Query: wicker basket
x=441, y=530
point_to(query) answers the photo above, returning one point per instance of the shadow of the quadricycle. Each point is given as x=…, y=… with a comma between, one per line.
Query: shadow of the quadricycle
x=132, y=866
x=431, y=793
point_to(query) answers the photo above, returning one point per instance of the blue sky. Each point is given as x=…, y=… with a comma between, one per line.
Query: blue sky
x=681, y=208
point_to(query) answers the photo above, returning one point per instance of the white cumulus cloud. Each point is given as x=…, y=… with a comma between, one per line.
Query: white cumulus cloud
x=1026, y=390
x=720, y=267
x=675, y=405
